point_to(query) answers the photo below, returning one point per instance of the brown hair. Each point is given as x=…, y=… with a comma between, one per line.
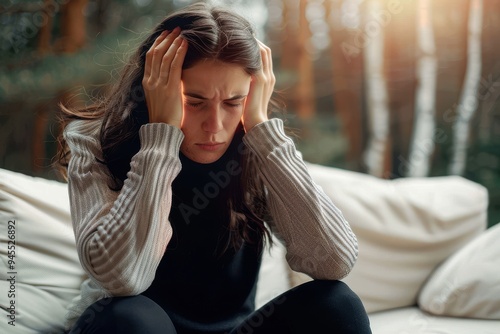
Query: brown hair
x=212, y=33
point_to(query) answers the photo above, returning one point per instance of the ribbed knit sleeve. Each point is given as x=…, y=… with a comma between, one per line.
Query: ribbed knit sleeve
x=121, y=236
x=318, y=240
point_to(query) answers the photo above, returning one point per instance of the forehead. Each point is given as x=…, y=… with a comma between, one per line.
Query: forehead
x=211, y=77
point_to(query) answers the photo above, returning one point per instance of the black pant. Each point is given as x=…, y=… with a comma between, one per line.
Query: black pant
x=314, y=307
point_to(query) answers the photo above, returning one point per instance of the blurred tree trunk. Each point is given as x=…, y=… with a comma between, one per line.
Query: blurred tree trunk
x=288, y=61
x=400, y=62
x=45, y=33
x=305, y=86
x=290, y=31
x=469, y=96
x=450, y=33
x=377, y=154
x=73, y=26
x=489, y=94
x=422, y=145
x=347, y=86
x=73, y=38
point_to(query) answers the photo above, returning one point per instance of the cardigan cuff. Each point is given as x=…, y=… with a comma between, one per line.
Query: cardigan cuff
x=161, y=137
x=266, y=136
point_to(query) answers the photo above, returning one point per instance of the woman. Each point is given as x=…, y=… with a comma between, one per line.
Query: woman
x=178, y=178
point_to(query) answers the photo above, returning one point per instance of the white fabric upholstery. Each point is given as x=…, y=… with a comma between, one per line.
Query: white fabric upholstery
x=48, y=273
x=412, y=320
x=468, y=283
x=405, y=228
x=273, y=275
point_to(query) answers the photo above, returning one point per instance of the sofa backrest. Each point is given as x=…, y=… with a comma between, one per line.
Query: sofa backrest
x=405, y=227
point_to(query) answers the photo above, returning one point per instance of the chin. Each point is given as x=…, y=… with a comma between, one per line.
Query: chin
x=204, y=158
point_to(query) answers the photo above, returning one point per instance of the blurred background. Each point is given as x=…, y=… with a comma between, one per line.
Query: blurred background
x=391, y=88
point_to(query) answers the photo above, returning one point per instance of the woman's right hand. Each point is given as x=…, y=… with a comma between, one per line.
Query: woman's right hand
x=162, y=78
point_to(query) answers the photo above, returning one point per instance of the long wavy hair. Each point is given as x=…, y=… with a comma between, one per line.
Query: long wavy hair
x=212, y=33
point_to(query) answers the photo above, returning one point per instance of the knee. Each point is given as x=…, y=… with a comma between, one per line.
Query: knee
x=139, y=312
x=337, y=290
x=330, y=296
x=334, y=304
x=130, y=309
x=124, y=315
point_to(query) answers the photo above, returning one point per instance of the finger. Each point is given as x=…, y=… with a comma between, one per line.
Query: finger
x=160, y=50
x=149, y=53
x=175, y=70
x=169, y=57
x=267, y=61
x=268, y=64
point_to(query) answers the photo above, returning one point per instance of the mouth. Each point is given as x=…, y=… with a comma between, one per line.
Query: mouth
x=210, y=146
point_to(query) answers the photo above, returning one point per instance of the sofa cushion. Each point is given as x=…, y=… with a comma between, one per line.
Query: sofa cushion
x=405, y=228
x=412, y=320
x=46, y=272
x=468, y=283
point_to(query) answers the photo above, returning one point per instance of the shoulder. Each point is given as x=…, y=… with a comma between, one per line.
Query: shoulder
x=83, y=134
x=83, y=127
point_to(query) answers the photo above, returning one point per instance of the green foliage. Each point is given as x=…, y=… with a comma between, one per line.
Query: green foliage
x=483, y=166
x=25, y=72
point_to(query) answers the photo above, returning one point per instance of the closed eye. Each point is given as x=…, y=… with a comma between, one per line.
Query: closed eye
x=194, y=104
x=233, y=104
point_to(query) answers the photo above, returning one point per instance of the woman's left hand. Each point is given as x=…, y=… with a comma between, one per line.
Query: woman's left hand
x=261, y=89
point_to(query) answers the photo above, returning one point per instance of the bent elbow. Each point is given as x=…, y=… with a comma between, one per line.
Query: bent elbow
x=113, y=277
x=324, y=265
x=123, y=288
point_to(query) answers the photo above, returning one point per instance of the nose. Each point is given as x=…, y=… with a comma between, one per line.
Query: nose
x=213, y=120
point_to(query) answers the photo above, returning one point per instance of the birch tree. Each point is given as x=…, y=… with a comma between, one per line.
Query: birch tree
x=422, y=145
x=347, y=86
x=376, y=90
x=253, y=10
x=469, y=95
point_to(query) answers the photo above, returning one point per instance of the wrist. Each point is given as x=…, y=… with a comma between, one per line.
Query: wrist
x=166, y=120
x=250, y=124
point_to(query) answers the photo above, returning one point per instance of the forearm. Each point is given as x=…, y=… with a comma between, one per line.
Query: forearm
x=121, y=237
x=318, y=239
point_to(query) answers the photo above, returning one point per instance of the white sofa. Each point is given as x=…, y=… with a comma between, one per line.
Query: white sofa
x=426, y=262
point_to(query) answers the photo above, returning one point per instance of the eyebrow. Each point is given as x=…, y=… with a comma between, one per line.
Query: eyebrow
x=198, y=96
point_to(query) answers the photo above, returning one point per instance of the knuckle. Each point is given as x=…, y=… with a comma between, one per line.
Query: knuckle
x=157, y=51
x=176, y=64
x=149, y=83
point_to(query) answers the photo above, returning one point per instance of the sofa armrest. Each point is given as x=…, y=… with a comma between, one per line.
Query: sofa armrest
x=46, y=273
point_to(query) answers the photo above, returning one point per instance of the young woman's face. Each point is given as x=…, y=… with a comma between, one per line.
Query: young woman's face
x=214, y=95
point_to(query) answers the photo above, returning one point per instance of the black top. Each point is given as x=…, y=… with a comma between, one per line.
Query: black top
x=202, y=288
